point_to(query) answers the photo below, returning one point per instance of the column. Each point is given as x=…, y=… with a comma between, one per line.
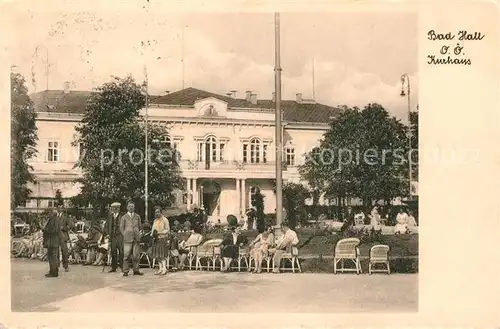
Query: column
x=243, y=196
x=195, y=193
x=188, y=192
x=238, y=196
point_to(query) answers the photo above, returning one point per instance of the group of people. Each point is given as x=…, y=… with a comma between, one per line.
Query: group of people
x=404, y=221
x=124, y=237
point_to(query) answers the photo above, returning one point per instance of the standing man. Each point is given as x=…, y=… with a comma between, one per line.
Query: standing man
x=130, y=227
x=112, y=230
x=63, y=235
x=51, y=234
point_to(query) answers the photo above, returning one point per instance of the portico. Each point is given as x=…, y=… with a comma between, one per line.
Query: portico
x=227, y=196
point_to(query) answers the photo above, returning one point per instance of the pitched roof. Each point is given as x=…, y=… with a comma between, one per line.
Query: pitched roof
x=75, y=102
x=60, y=101
x=293, y=111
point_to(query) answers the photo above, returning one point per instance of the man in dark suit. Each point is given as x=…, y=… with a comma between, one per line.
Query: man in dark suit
x=51, y=234
x=112, y=230
x=130, y=227
x=63, y=235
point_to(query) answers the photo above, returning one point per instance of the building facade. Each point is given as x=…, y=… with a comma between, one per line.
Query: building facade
x=226, y=145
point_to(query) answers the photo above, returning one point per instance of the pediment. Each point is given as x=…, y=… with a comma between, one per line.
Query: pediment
x=211, y=107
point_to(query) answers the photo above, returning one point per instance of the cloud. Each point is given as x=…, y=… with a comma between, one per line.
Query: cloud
x=89, y=49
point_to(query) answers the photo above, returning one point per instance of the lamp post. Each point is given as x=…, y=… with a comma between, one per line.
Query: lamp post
x=146, y=156
x=278, y=132
x=405, y=80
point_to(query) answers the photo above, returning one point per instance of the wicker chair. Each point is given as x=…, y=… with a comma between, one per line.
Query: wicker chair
x=292, y=255
x=379, y=254
x=267, y=258
x=243, y=256
x=216, y=256
x=347, y=249
x=205, y=251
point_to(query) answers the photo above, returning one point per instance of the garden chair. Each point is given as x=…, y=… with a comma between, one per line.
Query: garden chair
x=144, y=255
x=379, y=254
x=80, y=227
x=292, y=255
x=243, y=256
x=216, y=256
x=267, y=258
x=347, y=249
x=205, y=252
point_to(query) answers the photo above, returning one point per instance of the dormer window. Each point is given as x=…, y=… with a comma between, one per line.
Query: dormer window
x=211, y=111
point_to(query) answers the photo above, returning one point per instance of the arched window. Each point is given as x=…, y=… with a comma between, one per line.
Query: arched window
x=210, y=149
x=255, y=151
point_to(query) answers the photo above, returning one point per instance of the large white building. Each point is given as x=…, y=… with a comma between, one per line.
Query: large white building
x=226, y=144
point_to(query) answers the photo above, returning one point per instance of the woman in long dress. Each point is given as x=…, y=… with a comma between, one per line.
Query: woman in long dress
x=260, y=246
x=375, y=219
x=161, y=243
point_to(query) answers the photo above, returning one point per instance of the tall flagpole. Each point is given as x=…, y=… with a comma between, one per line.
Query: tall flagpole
x=146, y=192
x=314, y=94
x=279, y=146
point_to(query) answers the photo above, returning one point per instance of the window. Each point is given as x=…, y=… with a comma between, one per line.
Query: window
x=290, y=156
x=53, y=151
x=210, y=150
x=51, y=203
x=255, y=151
x=221, y=147
x=199, y=156
x=245, y=153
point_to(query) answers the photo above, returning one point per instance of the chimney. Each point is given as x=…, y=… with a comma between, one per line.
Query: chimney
x=253, y=99
x=229, y=95
x=274, y=97
x=298, y=97
x=248, y=96
x=233, y=93
x=66, y=87
x=167, y=92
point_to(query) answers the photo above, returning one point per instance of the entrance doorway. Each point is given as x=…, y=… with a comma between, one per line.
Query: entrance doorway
x=210, y=195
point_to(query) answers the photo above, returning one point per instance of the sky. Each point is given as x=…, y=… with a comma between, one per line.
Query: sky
x=358, y=57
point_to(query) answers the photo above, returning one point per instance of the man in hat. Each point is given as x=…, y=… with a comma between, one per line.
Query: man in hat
x=130, y=228
x=51, y=234
x=112, y=230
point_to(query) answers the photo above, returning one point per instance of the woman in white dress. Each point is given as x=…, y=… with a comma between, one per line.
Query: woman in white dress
x=401, y=226
x=260, y=246
x=375, y=219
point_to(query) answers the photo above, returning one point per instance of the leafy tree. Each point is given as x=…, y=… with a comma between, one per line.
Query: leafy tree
x=23, y=140
x=294, y=197
x=258, y=202
x=113, y=139
x=361, y=155
x=58, y=198
x=414, y=142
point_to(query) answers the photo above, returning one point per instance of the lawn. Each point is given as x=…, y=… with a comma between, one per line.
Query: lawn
x=321, y=244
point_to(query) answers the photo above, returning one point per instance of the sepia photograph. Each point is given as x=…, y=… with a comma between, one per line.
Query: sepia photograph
x=236, y=162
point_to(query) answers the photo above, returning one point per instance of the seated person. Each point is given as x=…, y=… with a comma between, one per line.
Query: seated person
x=289, y=239
x=260, y=246
x=411, y=220
x=232, y=241
x=173, y=241
x=359, y=218
x=93, y=239
x=37, y=245
x=401, y=226
x=147, y=239
x=184, y=247
x=102, y=253
x=78, y=247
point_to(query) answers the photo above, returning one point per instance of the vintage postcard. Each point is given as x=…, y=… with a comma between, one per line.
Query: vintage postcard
x=251, y=165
